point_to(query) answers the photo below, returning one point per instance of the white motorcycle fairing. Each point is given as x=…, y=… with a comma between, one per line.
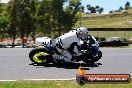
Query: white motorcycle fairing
x=43, y=41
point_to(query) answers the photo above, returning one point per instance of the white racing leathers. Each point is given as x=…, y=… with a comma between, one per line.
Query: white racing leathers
x=68, y=45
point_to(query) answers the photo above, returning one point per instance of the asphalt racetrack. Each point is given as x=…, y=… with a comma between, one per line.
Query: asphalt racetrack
x=15, y=65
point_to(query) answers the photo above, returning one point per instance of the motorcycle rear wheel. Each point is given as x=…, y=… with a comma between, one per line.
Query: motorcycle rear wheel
x=40, y=56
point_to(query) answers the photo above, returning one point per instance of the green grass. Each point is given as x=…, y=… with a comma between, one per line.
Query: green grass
x=126, y=47
x=119, y=47
x=110, y=34
x=58, y=84
x=117, y=20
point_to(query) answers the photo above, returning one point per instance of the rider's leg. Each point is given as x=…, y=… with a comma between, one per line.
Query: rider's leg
x=65, y=57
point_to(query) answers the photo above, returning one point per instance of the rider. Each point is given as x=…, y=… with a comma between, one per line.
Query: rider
x=69, y=44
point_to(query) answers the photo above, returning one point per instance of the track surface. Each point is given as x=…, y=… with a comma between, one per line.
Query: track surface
x=15, y=65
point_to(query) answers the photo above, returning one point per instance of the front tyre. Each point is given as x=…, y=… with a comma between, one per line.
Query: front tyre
x=40, y=56
x=93, y=59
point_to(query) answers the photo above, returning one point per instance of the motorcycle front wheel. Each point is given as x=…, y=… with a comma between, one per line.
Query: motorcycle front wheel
x=40, y=56
x=92, y=60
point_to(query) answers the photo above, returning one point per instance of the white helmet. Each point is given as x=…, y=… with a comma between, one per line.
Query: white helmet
x=82, y=33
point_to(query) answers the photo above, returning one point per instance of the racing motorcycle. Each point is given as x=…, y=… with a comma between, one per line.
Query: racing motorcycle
x=44, y=55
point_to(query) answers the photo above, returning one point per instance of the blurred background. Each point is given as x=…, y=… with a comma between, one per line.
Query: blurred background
x=22, y=21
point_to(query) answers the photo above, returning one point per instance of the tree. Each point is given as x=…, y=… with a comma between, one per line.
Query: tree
x=110, y=11
x=13, y=25
x=4, y=20
x=127, y=5
x=21, y=18
x=66, y=17
x=71, y=13
x=0, y=7
x=45, y=14
x=26, y=15
x=35, y=8
x=121, y=8
x=82, y=8
x=91, y=9
x=95, y=9
x=58, y=13
x=101, y=10
x=30, y=16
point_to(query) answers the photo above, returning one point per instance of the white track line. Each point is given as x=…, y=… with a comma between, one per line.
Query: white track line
x=40, y=80
x=8, y=80
x=51, y=79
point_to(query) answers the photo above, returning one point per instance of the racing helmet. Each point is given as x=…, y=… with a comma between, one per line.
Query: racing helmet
x=82, y=33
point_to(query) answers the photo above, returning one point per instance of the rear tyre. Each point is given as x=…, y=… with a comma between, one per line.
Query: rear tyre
x=40, y=56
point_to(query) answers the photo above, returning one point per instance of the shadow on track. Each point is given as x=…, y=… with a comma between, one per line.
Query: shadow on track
x=68, y=65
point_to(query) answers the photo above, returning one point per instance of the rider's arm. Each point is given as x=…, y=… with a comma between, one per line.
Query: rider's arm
x=92, y=41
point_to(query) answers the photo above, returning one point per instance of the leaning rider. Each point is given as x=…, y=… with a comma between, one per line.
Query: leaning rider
x=69, y=44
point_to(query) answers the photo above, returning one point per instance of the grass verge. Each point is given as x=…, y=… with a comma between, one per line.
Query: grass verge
x=110, y=34
x=58, y=84
x=115, y=20
x=118, y=47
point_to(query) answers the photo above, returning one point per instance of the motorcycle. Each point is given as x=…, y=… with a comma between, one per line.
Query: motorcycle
x=44, y=55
